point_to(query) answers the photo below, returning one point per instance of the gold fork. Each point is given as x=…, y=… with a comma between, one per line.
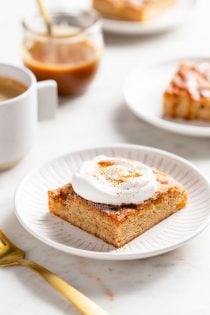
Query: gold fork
x=12, y=255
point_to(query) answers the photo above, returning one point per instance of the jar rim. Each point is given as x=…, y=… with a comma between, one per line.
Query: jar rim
x=96, y=19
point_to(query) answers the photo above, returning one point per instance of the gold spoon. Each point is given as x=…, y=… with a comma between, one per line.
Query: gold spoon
x=45, y=16
x=12, y=255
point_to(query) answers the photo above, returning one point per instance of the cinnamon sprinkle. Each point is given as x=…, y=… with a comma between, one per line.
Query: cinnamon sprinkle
x=105, y=163
x=122, y=178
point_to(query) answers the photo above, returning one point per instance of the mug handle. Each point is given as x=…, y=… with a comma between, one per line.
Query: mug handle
x=47, y=99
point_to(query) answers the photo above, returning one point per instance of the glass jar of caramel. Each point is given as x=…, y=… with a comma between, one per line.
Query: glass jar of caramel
x=71, y=55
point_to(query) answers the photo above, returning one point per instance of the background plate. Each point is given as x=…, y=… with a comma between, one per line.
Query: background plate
x=171, y=18
x=143, y=92
x=32, y=208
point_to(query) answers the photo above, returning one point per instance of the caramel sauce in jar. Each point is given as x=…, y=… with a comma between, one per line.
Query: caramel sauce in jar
x=70, y=57
x=72, y=66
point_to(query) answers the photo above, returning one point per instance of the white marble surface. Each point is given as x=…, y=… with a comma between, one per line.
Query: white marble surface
x=174, y=283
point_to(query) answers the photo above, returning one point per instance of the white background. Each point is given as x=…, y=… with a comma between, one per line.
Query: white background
x=175, y=283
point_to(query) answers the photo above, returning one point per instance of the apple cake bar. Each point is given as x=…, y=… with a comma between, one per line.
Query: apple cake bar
x=131, y=10
x=188, y=94
x=117, y=225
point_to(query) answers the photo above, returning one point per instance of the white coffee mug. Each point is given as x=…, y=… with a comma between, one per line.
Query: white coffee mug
x=19, y=115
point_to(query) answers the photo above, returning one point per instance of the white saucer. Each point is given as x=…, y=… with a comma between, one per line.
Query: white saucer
x=143, y=90
x=171, y=18
x=32, y=206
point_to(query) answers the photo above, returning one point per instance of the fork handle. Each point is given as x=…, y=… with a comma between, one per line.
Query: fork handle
x=82, y=303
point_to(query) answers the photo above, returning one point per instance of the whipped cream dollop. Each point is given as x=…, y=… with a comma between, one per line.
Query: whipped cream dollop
x=114, y=181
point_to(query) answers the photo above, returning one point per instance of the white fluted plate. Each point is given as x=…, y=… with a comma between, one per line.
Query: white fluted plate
x=32, y=206
x=143, y=92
